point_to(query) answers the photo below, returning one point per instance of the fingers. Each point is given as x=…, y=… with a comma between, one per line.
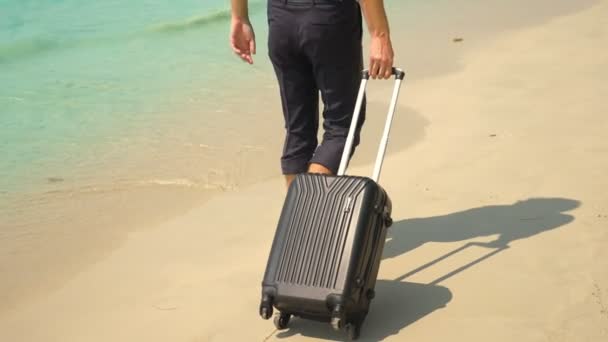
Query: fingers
x=242, y=53
x=386, y=67
x=252, y=46
x=374, y=68
x=236, y=50
x=247, y=58
x=381, y=68
x=247, y=55
x=388, y=70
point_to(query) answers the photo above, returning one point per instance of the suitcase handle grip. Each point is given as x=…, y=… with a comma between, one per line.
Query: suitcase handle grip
x=398, y=73
x=346, y=154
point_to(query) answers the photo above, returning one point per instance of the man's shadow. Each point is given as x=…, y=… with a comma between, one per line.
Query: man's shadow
x=510, y=222
x=399, y=304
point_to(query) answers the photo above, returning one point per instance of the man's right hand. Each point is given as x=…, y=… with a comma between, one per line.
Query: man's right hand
x=242, y=39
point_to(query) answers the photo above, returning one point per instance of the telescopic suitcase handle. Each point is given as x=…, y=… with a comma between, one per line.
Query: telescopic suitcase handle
x=399, y=75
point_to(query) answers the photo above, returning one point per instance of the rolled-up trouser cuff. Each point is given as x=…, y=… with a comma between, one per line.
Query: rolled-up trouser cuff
x=329, y=153
x=295, y=165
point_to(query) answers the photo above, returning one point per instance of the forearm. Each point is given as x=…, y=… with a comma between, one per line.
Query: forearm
x=375, y=16
x=240, y=9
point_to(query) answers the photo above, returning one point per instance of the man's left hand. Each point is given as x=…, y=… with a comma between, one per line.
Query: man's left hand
x=381, y=57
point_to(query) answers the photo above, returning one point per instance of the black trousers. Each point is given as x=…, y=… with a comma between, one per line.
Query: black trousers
x=315, y=47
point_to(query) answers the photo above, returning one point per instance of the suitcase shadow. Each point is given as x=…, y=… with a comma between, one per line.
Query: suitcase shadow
x=397, y=305
x=510, y=222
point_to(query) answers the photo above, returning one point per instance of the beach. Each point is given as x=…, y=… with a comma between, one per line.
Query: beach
x=496, y=168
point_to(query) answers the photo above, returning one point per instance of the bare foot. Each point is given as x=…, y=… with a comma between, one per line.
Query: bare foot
x=289, y=179
x=318, y=168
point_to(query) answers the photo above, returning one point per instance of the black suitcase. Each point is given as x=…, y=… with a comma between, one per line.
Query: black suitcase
x=328, y=244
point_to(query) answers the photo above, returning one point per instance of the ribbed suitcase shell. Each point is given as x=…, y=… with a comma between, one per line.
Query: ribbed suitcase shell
x=327, y=247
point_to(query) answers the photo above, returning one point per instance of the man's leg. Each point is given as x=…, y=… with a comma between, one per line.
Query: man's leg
x=289, y=179
x=299, y=98
x=298, y=90
x=336, y=52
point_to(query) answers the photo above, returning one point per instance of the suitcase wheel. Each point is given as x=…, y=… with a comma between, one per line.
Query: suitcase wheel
x=371, y=294
x=337, y=323
x=266, y=311
x=266, y=307
x=281, y=321
x=353, y=331
x=337, y=318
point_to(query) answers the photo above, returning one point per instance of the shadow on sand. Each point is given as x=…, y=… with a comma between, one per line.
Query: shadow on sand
x=399, y=303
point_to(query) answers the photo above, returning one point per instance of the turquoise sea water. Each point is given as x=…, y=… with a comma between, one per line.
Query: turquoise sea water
x=79, y=78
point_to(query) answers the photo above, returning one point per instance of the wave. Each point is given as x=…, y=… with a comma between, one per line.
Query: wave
x=201, y=20
x=192, y=23
x=25, y=48
x=177, y=182
x=28, y=199
x=37, y=46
